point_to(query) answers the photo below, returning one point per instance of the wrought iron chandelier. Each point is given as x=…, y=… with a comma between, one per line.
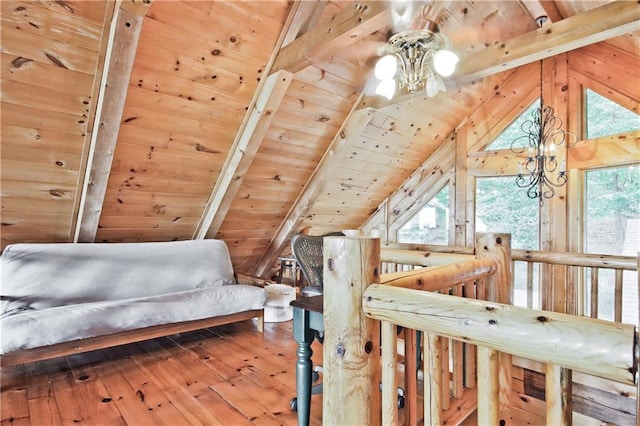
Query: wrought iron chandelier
x=542, y=133
x=413, y=59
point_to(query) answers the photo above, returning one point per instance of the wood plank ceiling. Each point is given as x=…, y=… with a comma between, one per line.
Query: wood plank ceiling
x=241, y=120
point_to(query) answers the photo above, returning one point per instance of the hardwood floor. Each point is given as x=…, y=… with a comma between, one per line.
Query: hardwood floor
x=227, y=375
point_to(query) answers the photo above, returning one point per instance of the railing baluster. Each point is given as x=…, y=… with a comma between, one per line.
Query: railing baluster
x=445, y=394
x=410, y=378
x=529, y=285
x=618, y=296
x=432, y=379
x=594, y=292
x=458, y=357
x=558, y=395
x=469, y=291
x=488, y=392
x=389, y=373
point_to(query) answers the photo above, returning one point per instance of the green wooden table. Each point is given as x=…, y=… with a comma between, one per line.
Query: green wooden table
x=307, y=317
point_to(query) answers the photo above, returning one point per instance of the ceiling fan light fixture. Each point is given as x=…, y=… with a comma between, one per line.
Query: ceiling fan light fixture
x=412, y=56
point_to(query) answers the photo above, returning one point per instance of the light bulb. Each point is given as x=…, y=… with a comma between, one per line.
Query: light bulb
x=444, y=62
x=386, y=67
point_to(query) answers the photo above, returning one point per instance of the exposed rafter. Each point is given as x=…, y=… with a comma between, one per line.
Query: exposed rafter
x=120, y=54
x=244, y=150
x=265, y=102
x=345, y=28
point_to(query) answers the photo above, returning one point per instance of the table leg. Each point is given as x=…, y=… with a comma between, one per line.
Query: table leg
x=303, y=335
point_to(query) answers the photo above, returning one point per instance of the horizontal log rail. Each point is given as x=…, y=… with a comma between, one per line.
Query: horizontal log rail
x=606, y=349
x=417, y=253
x=436, y=278
x=421, y=258
x=628, y=263
x=401, y=256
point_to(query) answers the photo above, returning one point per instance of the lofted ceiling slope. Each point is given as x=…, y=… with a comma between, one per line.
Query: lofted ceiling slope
x=145, y=120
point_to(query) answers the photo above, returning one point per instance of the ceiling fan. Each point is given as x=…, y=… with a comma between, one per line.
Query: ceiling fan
x=413, y=58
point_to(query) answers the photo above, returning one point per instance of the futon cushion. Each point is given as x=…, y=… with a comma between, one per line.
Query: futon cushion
x=31, y=329
x=39, y=276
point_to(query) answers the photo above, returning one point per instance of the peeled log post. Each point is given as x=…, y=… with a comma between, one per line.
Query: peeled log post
x=351, y=349
x=498, y=247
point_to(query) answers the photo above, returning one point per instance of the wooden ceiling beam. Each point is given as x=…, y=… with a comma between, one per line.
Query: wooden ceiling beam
x=608, y=21
x=340, y=146
x=244, y=150
x=343, y=29
x=596, y=25
x=306, y=16
x=123, y=34
x=264, y=104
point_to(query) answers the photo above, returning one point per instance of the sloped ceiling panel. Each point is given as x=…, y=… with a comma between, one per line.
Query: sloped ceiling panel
x=197, y=67
x=51, y=56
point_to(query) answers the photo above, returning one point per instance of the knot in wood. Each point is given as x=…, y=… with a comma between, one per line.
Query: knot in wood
x=542, y=318
x=492, y=322
x=340, y=350
x=368, y=347
x=331, y=264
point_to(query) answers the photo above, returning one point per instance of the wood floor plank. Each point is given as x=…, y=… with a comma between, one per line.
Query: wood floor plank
x=179, y=384
x=228, y=375
x=43, y=407
x=146, y=389
x=96, y=400
x=128, y=402
x=13, y=400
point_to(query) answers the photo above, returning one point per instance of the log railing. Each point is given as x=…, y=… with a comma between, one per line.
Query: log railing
x=353, y=309
x=583, y=278
x=606, y=349
x=581, y=302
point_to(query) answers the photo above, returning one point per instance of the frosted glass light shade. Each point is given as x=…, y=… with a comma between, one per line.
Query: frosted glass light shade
x=386, y=67
x=444, y=62
x=434, y=85
x=386, y=88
